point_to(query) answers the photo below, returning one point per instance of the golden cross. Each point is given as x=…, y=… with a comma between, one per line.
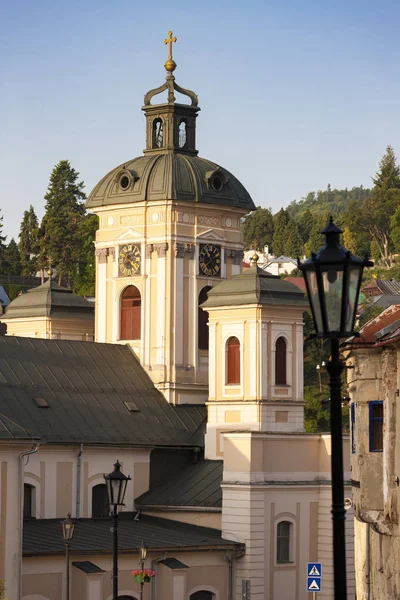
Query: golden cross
x=170, y=40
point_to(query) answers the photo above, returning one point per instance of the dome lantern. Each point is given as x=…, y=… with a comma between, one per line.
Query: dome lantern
x=170, y=127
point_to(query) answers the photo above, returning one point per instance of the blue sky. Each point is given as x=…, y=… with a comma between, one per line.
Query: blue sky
x=293, y=94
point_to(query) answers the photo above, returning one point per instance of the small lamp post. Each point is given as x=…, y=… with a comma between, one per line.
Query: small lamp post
x=142, y=558
x=318, y=367
x=116, y=483
x=68, y=528
x=333, y=279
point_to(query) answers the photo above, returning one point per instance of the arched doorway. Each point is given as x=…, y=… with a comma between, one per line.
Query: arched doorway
x=131, y=307
x=202, y=595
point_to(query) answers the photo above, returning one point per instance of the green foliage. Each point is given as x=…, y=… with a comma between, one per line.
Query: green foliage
x=369, y=311
x=331, y=201
x=2, y=246
x=316, y=413
x=258, y=229
x=281, y=220
x=61, y=222
x=29, y=242
x=293, y=246
x=316, y=239
x=85, y=264
x=12, y=259
x=12, y=290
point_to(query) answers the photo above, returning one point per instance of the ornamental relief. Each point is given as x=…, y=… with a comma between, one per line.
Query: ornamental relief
x=131, y=219
x=181, y=217
x=205, y=220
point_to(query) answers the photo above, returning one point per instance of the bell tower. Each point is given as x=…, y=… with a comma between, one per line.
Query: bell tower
x=171, y=127
x=169, y=232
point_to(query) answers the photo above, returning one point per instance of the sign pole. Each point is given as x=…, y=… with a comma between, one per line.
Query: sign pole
x=314, y=596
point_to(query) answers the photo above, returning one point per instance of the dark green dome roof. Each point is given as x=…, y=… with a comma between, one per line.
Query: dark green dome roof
x=170, y=176
x=49, y=299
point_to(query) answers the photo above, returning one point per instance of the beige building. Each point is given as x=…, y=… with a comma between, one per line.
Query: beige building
x=50, y=312
x=194, y=382
x=373, y=371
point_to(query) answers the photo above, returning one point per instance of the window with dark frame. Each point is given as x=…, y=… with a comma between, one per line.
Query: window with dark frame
x=202, y=320
x=29, y=491
x=280, y=361
x=353, y=427
x=283, y=542
x=100, y=507
x=376, y=426
x=131, y=307
x=233, y=361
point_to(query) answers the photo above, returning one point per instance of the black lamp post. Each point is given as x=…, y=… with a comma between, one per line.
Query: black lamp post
x=142, y=558
x=333, y=279
x=68, y=528
x=116, y=483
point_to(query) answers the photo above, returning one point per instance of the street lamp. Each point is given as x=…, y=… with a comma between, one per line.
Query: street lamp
x=116, y=483
x=142, y=558
x=318, y=367
x=333, y=279
x=68, y=528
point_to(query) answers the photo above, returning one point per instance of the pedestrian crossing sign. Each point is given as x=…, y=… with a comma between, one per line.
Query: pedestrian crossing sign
x=313, y=584
x=314, y=577
x=314, y=570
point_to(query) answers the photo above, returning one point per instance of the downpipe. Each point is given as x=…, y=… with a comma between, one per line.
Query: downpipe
x=78, y=483
x=21, y=514
x=231, y=558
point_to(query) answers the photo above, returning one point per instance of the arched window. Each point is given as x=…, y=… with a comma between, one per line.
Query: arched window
x=158, y=140
x=131, y=305
x=202, y=595
x=99, y=501
x=280, y=361
x=284, y=542
x=182, y=134
x=29, y=501
x=233, y=360
x=202, y=320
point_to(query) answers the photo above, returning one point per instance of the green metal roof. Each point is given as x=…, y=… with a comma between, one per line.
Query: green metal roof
x=170, y=176
x=72, y=392
x=49, y=299
x=255, y=286
x=198, y=485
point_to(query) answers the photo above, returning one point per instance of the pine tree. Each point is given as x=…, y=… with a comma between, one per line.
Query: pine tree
x=2, y=246
x=29, y=242
x=281, y=219
x=293, y=242
x=316, y=239
x=85, y=265
x=258, y=229
x=305, y=224
x=60, y=224
x=12, y=259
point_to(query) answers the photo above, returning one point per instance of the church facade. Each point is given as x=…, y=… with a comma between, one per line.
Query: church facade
x=194, y=382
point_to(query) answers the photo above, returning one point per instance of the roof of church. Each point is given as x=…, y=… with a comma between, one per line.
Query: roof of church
x=197, y=485
x=49, y=299
x=85, y=392
x=92, y=536
x=170, y=176
x=255, y=286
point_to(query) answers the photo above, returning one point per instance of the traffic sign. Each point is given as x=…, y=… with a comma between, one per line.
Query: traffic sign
x=314, y=577
x=314, y=570
x=313, y=584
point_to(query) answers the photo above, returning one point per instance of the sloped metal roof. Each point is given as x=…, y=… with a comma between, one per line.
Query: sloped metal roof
x=85, y=385
x=255, y=286
x=93, y=536
x=49, y=299
x=196, y=486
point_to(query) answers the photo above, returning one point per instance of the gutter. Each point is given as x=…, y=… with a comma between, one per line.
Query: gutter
x=78, y=483
x=154, y=579
x=161, y=508
x=231, y=558
x=21, y=457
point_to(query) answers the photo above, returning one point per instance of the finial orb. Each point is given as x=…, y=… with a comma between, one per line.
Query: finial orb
x=50, y=272
x=170, y=65
x=254, y=258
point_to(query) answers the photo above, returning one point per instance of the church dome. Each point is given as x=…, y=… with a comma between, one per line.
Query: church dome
x=170, y=176
x=170, y=168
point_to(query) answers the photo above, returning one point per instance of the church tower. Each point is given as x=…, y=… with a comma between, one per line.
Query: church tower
x=169, y=232
x=256, y=357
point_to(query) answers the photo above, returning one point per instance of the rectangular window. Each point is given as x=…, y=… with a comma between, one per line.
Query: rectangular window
x=353, y=427
x=376, y=426
x=283, y=542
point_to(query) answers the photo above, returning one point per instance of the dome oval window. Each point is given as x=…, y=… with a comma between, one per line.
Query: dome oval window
x=124, y=182
x=216, y=183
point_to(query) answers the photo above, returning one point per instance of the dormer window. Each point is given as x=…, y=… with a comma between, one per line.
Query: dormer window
x=124, y=182
x=182, y=134
x=216, y=183
x=157, y=133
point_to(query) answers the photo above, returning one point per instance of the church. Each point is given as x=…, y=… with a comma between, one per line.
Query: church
x=194, y=383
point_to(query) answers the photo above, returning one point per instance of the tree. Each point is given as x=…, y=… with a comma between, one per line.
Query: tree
x=376, y=213
x=85, y=265
x=29, y=242
x=281, y=219
x=60, y=224
x=316, y=239
x=2, y=245
x=305, y=224
x=258, y=229
x=12, y=259
x=293, y=241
